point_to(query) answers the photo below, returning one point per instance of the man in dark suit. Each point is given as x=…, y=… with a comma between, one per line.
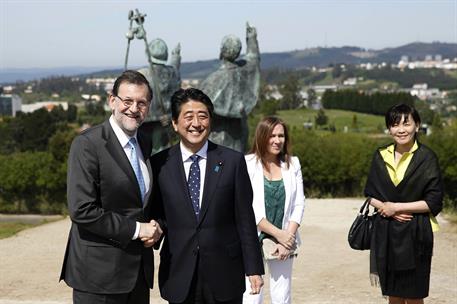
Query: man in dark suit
x=203, y=195
x=108, y=185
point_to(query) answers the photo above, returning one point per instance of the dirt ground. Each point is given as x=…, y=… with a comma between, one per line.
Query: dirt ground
x=326, y=270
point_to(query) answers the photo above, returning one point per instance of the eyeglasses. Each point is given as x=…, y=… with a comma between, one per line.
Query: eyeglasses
x=141, y=105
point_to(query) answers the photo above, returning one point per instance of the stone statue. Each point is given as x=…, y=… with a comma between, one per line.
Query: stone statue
x=164, y=79
x=234, y=90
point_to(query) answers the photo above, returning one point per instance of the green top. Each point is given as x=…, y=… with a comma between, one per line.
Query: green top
x=275, y=197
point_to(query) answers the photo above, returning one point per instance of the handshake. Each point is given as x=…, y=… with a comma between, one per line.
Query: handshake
x=150, y=233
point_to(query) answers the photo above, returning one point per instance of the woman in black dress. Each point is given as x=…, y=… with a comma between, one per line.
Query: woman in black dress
x=405, y=186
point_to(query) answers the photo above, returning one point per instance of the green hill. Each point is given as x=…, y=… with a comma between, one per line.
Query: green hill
x=365, y=123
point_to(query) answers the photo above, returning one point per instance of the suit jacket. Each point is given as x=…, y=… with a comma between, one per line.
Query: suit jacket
x=294, y=204
x=104, y=203
x=223, y=240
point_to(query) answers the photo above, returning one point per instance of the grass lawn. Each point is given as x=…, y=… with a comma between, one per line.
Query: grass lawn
x=451, y=73
x=12, y=226
x=8, y=229
x=366, y=123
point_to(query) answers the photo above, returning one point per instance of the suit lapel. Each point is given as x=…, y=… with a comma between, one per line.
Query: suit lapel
x=146, y=147
x=146, y=199
x=214, y=167
x=145, y=143
x=117, y=152
x=287, y=181
x=178, y=177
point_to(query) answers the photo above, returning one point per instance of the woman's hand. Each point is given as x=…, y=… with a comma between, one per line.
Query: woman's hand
x=285, y=238
x=281, y=252
x=387, y=209
x=403, y=217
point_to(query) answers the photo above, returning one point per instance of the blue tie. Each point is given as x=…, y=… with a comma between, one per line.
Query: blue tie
x=136, y=166
x=193, y=184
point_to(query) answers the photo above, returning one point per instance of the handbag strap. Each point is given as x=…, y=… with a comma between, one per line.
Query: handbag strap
x=365, y=209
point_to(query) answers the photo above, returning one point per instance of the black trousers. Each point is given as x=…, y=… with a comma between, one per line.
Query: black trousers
x=200, y=292
x=139, y=294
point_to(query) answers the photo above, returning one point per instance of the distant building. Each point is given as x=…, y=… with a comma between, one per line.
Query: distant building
x=423, y=92
x=322, y=88
x=350, y=81
x=430, y=61
x=48, y=105
x=29, y=90
x=10, y=104
x=189, y=83
x=304, y=97
x=273, y=92
x=8, y=89
x=91, y=97
x=106, y=83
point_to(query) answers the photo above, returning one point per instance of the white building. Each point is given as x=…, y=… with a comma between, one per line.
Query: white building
x=48, y=105
x=350, y=81
x=423, y=92
x=429, y=62
x=189, y=83
x=322, y=88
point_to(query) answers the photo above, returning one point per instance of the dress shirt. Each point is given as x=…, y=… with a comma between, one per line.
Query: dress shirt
x=124, y=142
x=187, y=161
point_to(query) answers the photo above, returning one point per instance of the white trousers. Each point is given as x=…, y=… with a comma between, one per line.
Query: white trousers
x=280, y=283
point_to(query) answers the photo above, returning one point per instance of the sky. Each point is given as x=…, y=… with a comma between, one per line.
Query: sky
x=91, y=33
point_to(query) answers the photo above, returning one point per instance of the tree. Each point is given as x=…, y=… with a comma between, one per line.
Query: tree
x=22, y=177
x=59, y=144
x=336, y=71
x=94, y=108
x=437, y=123
x=355, y=125
x=266, y=105
x=290, y=91
x=32, y=130
x=427, y=115
x=72, y=113
x=312, y=97
x=444, y=144
x=321, y=119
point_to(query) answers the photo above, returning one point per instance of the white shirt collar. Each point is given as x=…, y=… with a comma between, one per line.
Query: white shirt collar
x=186, y=154
x=120, y=134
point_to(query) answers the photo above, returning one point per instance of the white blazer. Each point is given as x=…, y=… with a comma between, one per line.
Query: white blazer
x=293, y=186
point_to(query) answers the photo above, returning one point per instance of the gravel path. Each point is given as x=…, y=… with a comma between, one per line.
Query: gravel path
x=326, y=270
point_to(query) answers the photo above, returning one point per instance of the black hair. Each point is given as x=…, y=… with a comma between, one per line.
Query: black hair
x=396, y=112
x=134, y=77
x=183, y=96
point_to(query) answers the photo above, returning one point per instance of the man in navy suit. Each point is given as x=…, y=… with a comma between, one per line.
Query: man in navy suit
x=203, y=198
x=108, y=187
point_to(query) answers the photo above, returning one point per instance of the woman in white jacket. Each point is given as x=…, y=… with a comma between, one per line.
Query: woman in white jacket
x=278, y=205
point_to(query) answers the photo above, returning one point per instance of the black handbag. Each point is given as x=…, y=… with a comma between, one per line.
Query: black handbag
x=359, y=236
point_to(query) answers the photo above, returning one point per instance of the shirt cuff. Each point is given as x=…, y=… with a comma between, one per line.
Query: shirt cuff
x=137, y=231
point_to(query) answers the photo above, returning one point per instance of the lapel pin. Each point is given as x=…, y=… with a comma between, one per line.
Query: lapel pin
x=218, y=167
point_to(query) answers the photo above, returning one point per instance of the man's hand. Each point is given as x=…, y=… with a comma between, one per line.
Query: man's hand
x=250, y=31
x=176, y=50
x=256, y=283
x=150, y=233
